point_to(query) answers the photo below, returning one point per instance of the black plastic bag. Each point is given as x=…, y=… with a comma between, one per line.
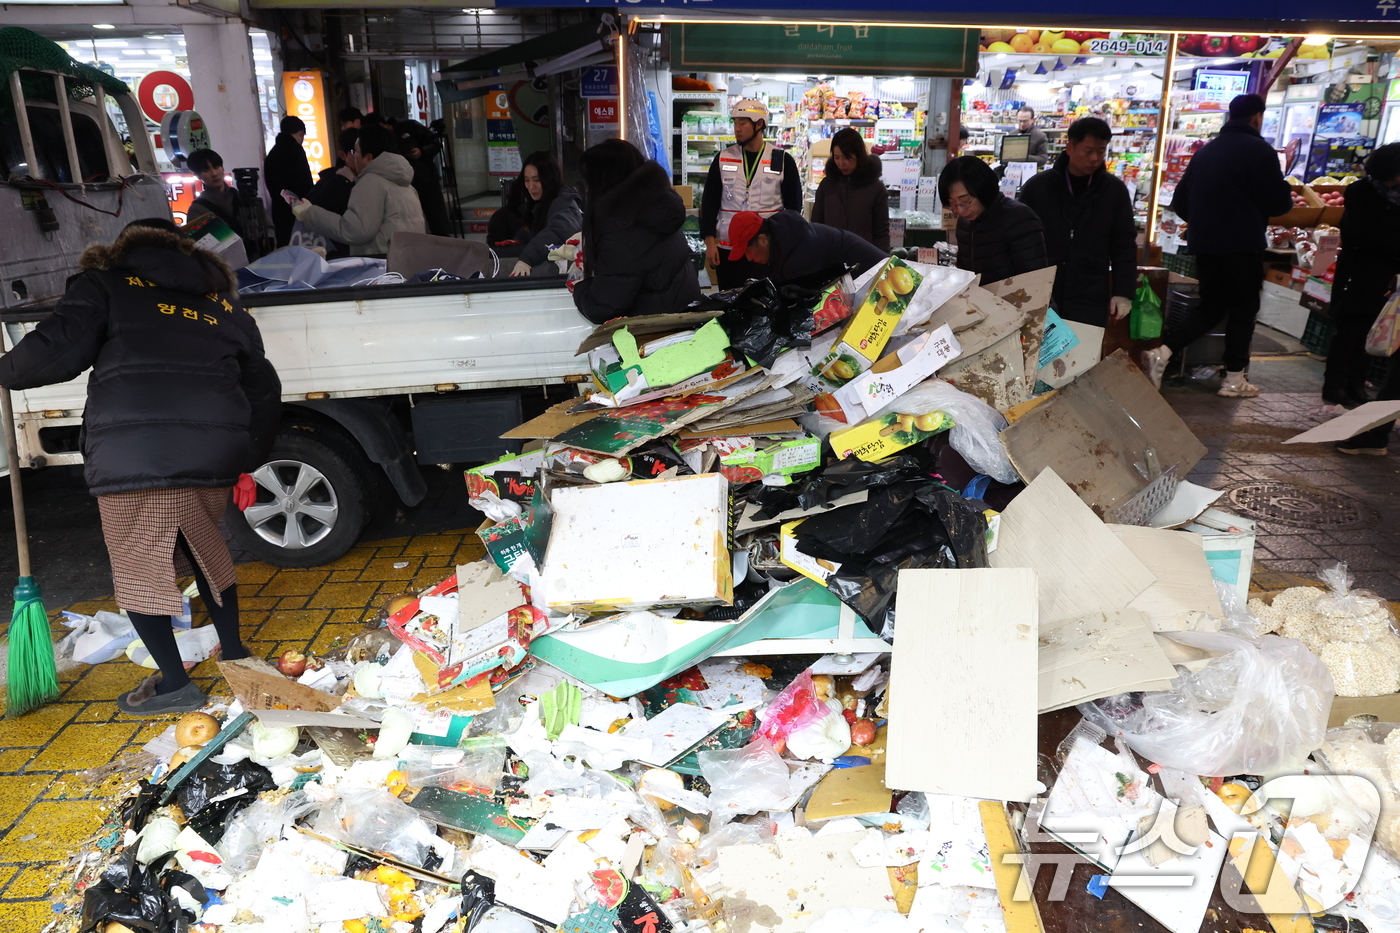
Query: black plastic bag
x=963, y=521
x=763, y=319
x=204, y=801
x=138, y=808
x=856, y=532
x=478, y=896
x=132, y=895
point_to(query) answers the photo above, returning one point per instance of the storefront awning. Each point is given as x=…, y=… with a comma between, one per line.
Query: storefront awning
x=565, y=49
x=1344, y=17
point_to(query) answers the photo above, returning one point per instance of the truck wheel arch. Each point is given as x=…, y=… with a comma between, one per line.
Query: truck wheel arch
x=380, y=436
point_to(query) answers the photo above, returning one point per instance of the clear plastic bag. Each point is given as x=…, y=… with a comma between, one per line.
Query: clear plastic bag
x=478, y=762
x=1371, y=752
x=745, y=780
x=1260, y=707
x=376, y=819
x=975, y=430
x=257, y=827
x=939, y=285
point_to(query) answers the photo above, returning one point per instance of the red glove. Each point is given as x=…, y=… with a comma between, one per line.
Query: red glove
x=245, y=492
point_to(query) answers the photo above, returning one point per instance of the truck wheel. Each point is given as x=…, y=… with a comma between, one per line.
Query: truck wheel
x=312, y=500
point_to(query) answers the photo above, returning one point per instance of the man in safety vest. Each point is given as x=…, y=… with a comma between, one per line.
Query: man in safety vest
x=751, y=175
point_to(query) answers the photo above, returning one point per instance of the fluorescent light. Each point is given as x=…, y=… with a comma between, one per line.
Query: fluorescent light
x=103, y=26
x=1000, y=56
x=1097, y=59
x=133, y=51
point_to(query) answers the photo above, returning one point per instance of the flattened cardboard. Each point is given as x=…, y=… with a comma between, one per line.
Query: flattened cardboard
x=671, y=364
x=644, y=324
x=1081, y=565
x=996, y=319
x=850, y=792
x=995, y=374
x=964, y=669
x=1359, y=419
x=763, y=429
x=555, y=421
x=483, y=593
x=1184, y=582
x=276, y=700
x=1099, y=655
x=1099, y=430
x=1080, y=359
x=1384, y=708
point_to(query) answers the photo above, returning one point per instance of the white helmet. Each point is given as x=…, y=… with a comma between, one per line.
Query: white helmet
x=750, y=109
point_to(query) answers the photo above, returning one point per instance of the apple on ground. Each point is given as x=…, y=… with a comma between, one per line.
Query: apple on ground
x=292, y=663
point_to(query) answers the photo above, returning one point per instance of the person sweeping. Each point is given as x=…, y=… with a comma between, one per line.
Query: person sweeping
x=181, y=404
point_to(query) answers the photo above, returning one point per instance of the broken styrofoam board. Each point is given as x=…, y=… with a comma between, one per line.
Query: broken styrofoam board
x=1099, y=655
x=788, y=884
x=995, y=374
x=1184, y=582
x=1081, y=565
x=1360, y=419
x=964, y=669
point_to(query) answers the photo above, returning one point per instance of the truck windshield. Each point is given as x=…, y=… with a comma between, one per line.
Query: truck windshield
x=46, y=124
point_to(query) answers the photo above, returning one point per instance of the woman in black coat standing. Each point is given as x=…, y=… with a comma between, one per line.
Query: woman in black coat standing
x=852, y=195
x=180, y=402
x=1366, y=268
x=997, y=237
x=635, y=257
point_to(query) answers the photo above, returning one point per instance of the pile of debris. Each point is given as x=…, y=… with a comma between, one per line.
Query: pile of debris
x=772, y=633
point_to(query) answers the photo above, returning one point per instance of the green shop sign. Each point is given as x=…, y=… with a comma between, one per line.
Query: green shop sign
x=928, y=51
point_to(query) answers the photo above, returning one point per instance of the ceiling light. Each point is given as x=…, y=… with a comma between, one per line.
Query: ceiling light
x=1093, y=61
x=103, y=26
x=133, y=51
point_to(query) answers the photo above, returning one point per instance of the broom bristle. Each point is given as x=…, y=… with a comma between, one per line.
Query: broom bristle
x=31, y=671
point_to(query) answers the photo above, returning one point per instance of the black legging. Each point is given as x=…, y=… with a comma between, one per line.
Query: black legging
x=157, y=632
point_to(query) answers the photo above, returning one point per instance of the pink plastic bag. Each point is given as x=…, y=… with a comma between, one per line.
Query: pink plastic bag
x=795, y=708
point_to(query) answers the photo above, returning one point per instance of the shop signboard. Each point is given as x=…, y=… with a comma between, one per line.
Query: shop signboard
x=1072, y=42
x=502, y=151
x=833, y=49
x=306, y=98
x=160, y=92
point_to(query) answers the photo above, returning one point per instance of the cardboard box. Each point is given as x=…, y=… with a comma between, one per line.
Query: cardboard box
x=893, y=375
x=640, y=545
x=510, y=541
x=1384, y=708
x=1317, y=295
x=687, y=193
x=511, y=477
x=812, y=568
x=1279, y=276
x=1229, y=546
x=212, y=234
x=749, y=460
x=873, y=322
x=878, y=439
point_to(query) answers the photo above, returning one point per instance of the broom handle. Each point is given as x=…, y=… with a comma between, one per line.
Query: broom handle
x=16, y=490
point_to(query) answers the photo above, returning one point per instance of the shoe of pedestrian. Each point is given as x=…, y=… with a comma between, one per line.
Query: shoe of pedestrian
x=1154, y=363
x=144, y=701
x=1344, y=447
x=1235, y=385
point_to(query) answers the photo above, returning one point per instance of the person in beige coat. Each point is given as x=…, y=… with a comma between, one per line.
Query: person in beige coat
x=382, y=202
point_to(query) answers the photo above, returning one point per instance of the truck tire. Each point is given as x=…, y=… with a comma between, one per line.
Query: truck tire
x=313, y=499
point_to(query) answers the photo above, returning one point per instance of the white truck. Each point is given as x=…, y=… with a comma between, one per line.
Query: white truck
x=376, y=380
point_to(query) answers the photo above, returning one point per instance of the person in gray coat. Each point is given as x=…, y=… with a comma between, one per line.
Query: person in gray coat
x=382, y=203
x=852, y=194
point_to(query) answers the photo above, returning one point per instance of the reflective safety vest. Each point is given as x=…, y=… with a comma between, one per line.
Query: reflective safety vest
x=764, y=196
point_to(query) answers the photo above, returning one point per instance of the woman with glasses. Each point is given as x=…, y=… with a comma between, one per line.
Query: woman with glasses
x=998, y=237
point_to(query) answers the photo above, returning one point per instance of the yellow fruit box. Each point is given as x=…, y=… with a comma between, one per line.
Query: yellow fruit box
x=880, y=437
x=870, y=327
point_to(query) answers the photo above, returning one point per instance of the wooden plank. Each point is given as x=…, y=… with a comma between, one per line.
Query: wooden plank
x=1080, y=564
x=963, y=679
x=1184, y=582
x=1018, y=906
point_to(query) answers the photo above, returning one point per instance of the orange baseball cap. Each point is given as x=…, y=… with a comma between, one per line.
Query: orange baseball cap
x=742, y=229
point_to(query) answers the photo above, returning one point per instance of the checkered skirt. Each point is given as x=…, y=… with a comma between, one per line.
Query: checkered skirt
x=141, y=528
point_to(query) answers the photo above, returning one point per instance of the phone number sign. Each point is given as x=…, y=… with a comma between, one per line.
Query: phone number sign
x=1129, y=45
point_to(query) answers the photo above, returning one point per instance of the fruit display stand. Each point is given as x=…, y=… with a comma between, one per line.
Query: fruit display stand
x=1331, y=198
x=1308, y=214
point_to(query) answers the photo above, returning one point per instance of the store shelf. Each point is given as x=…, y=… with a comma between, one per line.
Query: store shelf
x=698, y=95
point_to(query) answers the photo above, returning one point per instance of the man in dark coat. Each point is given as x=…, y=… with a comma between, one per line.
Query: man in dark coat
x=790, y=248
x=1231, y=188
x=1088, y=218
x=1039, y=151
x=286, y=169
x=418, y=144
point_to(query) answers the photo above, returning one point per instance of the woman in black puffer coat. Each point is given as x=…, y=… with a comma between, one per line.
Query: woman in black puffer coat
x=852, y=195
x=180, y=402
x=635, y=257
x=997, y=236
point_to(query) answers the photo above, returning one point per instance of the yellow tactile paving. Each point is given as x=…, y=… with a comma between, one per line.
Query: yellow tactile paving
x=52, y=807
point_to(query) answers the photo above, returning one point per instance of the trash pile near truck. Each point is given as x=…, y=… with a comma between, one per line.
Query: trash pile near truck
x=826, y=609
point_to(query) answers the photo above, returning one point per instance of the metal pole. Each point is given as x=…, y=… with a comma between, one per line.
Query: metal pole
x=104, y=123
x=1160, y=149
x=75, y=168
x=26, y=136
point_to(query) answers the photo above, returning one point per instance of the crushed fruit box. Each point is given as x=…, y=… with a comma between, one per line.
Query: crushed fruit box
x=881, y=437
x=874, y=321
x=750, y=459
x=511, y=477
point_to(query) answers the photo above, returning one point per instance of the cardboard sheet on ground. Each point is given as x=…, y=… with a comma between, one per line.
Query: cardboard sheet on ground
x=1108, y=434
x=1184, y=582
x=1359, y=419
x=964, y=670
x=277, y=701
x=1080, y=564
x=789, y=884
x=850, y=792
x=1099, y=655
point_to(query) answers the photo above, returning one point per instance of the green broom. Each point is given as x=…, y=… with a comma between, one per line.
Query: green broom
x=31, y=672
